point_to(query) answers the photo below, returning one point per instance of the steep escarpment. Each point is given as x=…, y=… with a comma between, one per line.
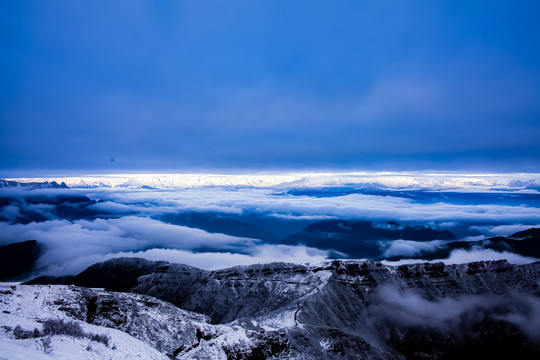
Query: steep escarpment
x=429, y=311
x=249, y=290
x=230, y=294
x=350, y=309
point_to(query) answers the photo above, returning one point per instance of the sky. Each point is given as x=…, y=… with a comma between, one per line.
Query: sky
x=172, y=86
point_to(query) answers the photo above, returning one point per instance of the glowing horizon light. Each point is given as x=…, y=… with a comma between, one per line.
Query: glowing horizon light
x=391, y=180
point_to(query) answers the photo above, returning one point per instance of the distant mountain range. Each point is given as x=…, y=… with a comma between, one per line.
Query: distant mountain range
x=32, y=184
x=367, y=180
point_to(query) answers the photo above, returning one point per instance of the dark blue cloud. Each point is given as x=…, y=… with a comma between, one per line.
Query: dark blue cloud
x=227, y=85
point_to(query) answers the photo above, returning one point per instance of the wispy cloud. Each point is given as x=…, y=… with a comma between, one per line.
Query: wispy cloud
x=454, y=314
x=406, y=248
x=461, y=256
x=259, y=254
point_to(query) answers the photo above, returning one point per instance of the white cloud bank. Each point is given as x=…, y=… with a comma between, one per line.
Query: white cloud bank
x=70, y=247
x=460, y=256
x=411, y=248
x=73, y=245
x=259, y=254
x=450, y=314
x=267, y=202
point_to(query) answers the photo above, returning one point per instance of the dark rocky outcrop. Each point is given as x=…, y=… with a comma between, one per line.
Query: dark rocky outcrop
x=116, y=275
x=18, y=259
x=533, y=232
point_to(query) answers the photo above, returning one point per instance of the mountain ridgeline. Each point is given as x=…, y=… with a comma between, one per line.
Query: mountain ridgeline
x=347, y=309
x=32, y=185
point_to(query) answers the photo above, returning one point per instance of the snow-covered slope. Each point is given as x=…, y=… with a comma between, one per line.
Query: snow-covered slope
x=392, y=180
x=329, y=310
x=137, y=326
x=28, y=307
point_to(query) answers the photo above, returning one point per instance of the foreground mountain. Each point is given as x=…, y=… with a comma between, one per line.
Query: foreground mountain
x=74, y=322
x=330, y=310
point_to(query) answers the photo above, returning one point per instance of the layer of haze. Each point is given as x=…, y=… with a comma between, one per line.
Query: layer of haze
x=143, y=85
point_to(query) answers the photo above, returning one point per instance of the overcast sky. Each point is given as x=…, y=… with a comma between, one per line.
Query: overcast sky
x=109, y=86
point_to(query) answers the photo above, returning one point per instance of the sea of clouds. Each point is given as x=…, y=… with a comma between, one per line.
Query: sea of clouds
x=128, y=225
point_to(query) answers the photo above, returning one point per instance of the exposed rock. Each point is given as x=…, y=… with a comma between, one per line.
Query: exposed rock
x=168, y=329
x=345, y=309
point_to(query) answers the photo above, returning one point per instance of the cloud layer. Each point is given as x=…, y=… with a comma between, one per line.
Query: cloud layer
x=127, y=222
x=72, y=246
x=270, y=203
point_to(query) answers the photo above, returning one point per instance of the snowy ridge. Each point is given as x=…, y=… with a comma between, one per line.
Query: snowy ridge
x=391, y=180
x=29, y=306
x=138, y=326
x=161, y=181
x=325, y=310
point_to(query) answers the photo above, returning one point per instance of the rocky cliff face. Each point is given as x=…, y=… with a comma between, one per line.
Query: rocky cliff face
x=173, y=332
x=340, y=309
